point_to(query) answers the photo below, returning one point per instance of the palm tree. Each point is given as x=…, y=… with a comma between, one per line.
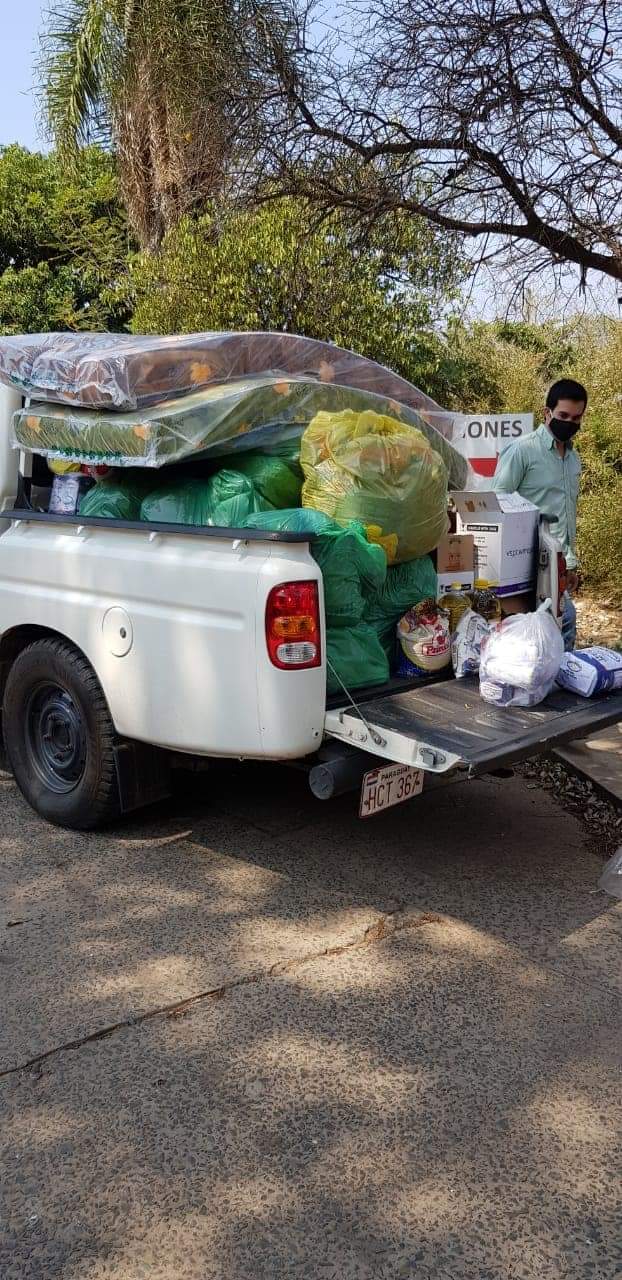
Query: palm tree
x=168, y=84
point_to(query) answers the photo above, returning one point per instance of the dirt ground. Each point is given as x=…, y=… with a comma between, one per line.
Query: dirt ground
x=599, y=621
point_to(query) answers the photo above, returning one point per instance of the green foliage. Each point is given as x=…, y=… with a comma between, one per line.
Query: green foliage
x=27, y=188
x=598, y=364
x=501, y=365
x=600, y=528
x=63, y=243
x=277, y=268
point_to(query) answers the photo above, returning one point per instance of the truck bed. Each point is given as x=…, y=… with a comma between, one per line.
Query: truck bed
x=447, y=724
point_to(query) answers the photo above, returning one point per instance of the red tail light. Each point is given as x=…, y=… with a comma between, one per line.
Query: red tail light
x=293, y=626
x=562, y=581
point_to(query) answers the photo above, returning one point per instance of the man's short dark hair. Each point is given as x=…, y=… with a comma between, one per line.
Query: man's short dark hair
x=565, y=389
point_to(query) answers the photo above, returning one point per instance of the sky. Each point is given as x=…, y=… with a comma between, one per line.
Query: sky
x=18, y=47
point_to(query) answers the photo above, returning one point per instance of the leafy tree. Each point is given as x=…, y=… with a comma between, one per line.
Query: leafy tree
x=63, y=243
x=279, y=268
x=152, y=78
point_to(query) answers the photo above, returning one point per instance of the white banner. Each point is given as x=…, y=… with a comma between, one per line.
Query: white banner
x=482, y=437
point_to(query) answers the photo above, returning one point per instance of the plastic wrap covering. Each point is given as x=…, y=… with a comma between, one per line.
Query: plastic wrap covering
x=369, y=467
x=126, y=372
x=256, y=414
x=406, y=585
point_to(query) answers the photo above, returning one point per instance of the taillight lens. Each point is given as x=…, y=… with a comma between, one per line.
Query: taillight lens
x=293, y=626
x=562, y=581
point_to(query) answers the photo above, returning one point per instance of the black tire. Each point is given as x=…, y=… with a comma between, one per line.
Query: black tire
x=59, y=737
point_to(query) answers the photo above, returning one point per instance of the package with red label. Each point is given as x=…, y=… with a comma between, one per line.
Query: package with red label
x=425, y=645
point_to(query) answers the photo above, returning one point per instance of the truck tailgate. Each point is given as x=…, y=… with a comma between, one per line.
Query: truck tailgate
x=447, y=725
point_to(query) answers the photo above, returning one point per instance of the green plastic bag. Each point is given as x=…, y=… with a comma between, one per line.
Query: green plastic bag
x=349, y=564
x=234, y=497
x=182, y=502
x=370, y=559
x=355, y=655
x=288, y=450
x=272, y=477
x=406, y=585
x=296, y=520
x=225, y=499
x=118, y=497
x=344, y=602
x=233, y=511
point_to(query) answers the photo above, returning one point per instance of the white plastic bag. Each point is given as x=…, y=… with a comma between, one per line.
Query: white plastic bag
x=521, y=658
x=611, y=878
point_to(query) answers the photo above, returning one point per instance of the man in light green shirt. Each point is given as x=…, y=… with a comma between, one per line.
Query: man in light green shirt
x=545, y=468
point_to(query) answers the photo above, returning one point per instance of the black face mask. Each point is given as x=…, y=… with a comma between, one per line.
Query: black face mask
x=563, y=431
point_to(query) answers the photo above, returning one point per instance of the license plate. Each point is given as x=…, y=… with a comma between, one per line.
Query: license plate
x=382, y=788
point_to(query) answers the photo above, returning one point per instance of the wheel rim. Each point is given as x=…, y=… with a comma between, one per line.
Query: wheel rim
x=56, y=738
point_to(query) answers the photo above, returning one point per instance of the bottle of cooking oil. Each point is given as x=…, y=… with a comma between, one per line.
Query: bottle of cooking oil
x=486, y=600
x=456, y=602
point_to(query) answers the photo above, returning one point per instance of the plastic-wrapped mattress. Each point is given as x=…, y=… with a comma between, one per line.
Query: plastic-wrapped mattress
x=254, y=413
x=124, y=372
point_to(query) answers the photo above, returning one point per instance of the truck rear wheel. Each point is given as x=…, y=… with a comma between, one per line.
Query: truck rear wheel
x=59, y=737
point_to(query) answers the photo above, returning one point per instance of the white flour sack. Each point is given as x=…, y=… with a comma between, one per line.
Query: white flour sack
x=589, y=671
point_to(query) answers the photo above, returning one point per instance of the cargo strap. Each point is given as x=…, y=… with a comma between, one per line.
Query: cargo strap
x=376, y=738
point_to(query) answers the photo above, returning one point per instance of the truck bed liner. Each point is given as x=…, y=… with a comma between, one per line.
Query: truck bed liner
x=451, y=718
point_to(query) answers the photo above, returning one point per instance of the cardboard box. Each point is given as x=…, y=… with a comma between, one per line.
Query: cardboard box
x=505, y=531
x=455, y=562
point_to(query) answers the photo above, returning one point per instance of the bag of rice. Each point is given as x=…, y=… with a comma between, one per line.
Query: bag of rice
x=423, y=634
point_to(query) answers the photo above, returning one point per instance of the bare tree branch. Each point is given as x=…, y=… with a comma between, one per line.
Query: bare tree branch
x=489, y=118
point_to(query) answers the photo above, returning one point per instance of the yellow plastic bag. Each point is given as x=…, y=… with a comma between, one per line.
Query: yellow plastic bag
x=61, y=468
x=372, y=468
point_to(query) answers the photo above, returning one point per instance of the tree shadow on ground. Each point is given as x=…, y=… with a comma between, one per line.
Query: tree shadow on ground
x=437, y=1104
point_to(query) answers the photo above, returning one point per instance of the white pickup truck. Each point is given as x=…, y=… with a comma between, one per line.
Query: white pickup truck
x=125, y=647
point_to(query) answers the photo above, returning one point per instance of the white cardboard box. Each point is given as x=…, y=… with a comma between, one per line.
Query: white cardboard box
x=505, y=531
